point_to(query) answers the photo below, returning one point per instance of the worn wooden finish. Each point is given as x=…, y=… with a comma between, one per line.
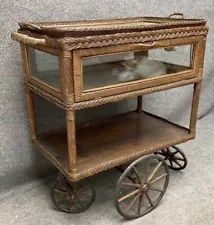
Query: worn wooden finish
x=139, y=103
x=112, y=145
x=31, y=114
x=139, y=84
x=199, y=55
x=195, y=104
x=29, y=93
x=66, y=76
x=71, y=141
x=25, y=65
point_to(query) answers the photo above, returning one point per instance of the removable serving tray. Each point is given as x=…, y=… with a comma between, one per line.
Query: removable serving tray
x=109, y=26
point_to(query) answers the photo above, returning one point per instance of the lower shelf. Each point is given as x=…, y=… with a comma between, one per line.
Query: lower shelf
x=110, y=142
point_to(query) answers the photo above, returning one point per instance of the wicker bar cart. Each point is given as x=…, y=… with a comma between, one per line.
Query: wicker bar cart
x=82, y=64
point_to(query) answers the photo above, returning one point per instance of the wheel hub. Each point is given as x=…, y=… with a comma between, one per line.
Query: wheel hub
x=144, y=188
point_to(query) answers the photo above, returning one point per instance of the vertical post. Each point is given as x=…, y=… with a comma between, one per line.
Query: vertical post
x=29, y=93
x=66, y=86
x=198, y=67
x=66, y=77
x=139, y=103
x=194, y=110
x=143, y=53
x=71, y=136
x=31, y=113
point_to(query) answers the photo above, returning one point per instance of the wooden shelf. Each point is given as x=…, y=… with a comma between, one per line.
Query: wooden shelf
x=110, y=142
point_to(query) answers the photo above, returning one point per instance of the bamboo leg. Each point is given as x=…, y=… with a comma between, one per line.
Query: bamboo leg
x=139, y=103
x=71, y=136
x=31, y=113
x=195, y=104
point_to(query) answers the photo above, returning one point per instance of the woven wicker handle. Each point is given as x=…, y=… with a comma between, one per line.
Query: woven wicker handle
x=177, y=15
x=27, y=40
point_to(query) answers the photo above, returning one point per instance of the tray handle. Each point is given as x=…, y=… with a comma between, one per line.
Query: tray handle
x=27, y=40
x=33, y=26
x=176, y=15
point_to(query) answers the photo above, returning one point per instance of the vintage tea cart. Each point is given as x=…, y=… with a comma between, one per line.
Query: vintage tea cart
x=82, y=64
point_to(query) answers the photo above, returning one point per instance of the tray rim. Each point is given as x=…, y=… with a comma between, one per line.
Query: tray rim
x=121, y=24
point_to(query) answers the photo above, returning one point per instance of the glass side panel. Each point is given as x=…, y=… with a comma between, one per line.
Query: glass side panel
x=44, y=67
x=105, y=70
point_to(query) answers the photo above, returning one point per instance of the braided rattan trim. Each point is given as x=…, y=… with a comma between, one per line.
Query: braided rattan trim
x=116, y=98
x=51, y=159
x=46, y=96
x=122, y=160
x=123, y=38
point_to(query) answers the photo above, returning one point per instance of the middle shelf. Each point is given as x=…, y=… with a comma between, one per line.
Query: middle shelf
x=106, y=143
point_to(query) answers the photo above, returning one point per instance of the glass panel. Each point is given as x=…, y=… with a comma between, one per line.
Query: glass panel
x=105, y=70
x=44, y=67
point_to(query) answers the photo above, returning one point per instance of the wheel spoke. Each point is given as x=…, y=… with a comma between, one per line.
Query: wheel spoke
x=71, y=204
x=85, y=195
x=149, y=199
x=156, y=189
x=128, y=195
x=61, y=200
x=131, y=185
x=82, y=188
x=175, y=152
x=175, y=161
x=160, y=153
x=146, y=171
x=132, y=202
x=154, y=172
x=164, y=152
x=137, y=174
x=59, y=191
x=158, y=178
x=178, y=158
x=168, y=152
x=171, y=164
x=140, y=204
x=78, y=202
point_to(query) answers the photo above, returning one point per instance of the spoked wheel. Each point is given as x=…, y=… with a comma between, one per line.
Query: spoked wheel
x=175, y=158
x=141, y=186
x=72, y=197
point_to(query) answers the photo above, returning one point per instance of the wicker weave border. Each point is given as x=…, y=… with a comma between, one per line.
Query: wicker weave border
x=125, y=159
x=68, y=43
x=112, y=163
x=114, y=98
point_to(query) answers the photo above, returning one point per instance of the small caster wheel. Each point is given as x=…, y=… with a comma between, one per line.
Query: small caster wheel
x=175, y=158
x=141, y=186
x=72, y=197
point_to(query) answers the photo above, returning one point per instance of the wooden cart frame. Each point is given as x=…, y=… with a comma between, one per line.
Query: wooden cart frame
x=70, y=95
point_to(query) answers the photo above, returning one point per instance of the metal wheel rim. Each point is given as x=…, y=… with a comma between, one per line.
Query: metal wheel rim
x=63, y=209
x=117, y=204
